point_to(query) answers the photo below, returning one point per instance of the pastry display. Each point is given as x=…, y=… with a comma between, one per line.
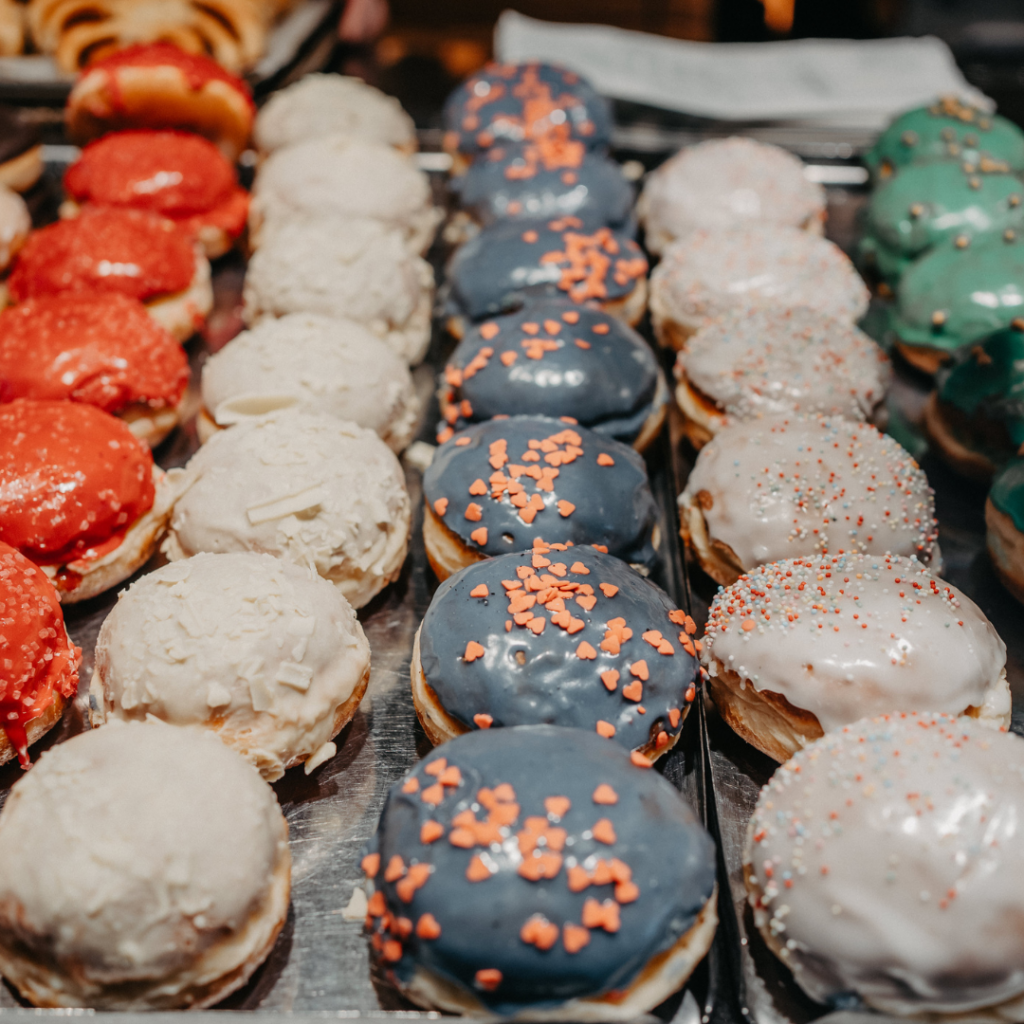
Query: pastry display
x=100, y=348
x=21, y=146
x=536, y=872
x=79, y=494
x=316, y=364
x=502, y=485
x=277, y=670
x=359, y=270
x=727, y=183
x=158, y=85
x=581, y=640
x=317, y=106
x=908, y=894
x=556, y=358
x=313, y=490
x=759, y=362
x=40, y=661
x=802, y=647
x=127, y=252
x=714, y=272
x=131, y=882
x=509, y=262
x=1004, y=526
x=789, y=486
x=15, y=225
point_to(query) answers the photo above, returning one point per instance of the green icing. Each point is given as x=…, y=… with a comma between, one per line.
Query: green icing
x=1007, y=492
x=949, y=129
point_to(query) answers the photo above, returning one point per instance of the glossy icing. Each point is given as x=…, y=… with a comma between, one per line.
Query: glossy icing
x=781, y=487
x=72, y=478
x=534, y=865
x=846, y=636
x=552, y=358
x=517, y=102
x=1007, y=493
x=613, y=655
x=499, y=485
x=507, y=262
x=887, y=860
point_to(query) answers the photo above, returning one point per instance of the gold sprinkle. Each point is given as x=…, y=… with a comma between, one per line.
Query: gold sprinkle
x=1017, y=323
x=962, y=241
x=1009, y=235
x=939, y=317
x=909, y=138
x=917, y=210
x=974, y=182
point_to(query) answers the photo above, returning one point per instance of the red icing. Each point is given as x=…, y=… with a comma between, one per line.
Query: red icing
x=132, y=252
x=72, y=477
x=37, y=657
x=105, y=350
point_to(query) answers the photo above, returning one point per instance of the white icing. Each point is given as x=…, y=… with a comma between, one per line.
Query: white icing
x=194, y=641
x=15, y=224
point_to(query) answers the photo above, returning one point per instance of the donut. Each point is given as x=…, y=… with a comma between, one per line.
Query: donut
x=275, y=678
x=728, y=183
x=947, y=130
x=338, y=178
x=537, y=871
x=176, y=174
x=79, y=494
x=475, y=666
x=166, y=867
x=316, y=364
x=955, y=295
x=509, y=262
x=566, y=484
x=100, y=348
x=713, y=272
x=885, y=861
x=319, y=105
x=15, y=225
x=360, y=271
x=129, y=252
x=40, y=661
x=1004, y=526
x=555, y=358
x=21, y=146
x=313, y=490
x=523, y=103
x=790, y=486
x=808, y=645
x=757, y=362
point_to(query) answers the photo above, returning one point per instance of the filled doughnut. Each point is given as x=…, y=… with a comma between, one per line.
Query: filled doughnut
x=710, y=273
x=508, y=263
x=574, y=638
x=79, y=494
x=275, y=678
x=1004, y=526
x=502, y=485
x=536, y=873
x=316, y=364
x=799, y=648
x=145, y=868
x=128, y=252
x=15, y=225
x=313, y=490
x=103, y=349
x=759, y=362
x=728, y=183
x=21, y=146
x=790, y=486
x=556, y=358
x=40, y=661
x=886, y=861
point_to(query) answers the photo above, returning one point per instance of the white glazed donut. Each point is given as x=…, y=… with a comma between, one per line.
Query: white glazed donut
x=15, y=224
x=359, y=270
x=277, y=669
x=887, y=859
x=314, y=490
x=316, y=364
x=724, y=183
x=782, y=487
x=145, y=868
x=801, y=647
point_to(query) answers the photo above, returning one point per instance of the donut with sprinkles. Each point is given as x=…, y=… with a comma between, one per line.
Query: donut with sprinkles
x=538, y=870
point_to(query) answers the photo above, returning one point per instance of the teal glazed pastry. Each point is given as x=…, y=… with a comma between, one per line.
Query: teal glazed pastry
x=946, y=130
x=925, y=204
x=961, y=291
x=976, y=417
x=1004, y=523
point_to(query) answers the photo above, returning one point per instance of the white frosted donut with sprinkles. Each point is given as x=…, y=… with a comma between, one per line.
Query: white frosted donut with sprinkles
x=801, y=647
x=781, y=487
x=887, y=860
